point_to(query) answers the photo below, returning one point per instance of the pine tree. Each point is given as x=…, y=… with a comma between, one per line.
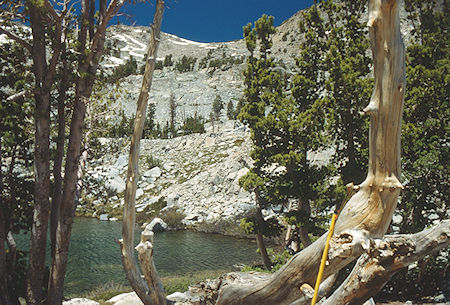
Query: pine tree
x=426, y=117
x=172, y=114
x=231, y=113
x=261, y=87
x=217, y=107
x=348, y=86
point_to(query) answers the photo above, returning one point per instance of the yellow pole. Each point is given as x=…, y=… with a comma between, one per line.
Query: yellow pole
x=324, y=259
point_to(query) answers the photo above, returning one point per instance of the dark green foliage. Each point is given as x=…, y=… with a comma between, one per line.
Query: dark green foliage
x=425, y=142
x=124, y=70
x=269, y=227
x=172, y=217
x=217, y=107
x=277, y=258
x=172, y=113
x=16, y=139
x=193, y=125
x=429, y=277
x=158, y=65
x=225, y=62
x=284, y=129
x=168, y=61
x=348, y=86
x=204, y=61
x=231, y=113
x=149, y=127
x=123, y=129
x=185, y=64
x=16, y=159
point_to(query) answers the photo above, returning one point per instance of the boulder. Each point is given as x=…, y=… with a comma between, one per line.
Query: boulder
x=139, y=193
x=113, y=172
x=121, y=162
x=80, y=301
x=157, y=225
x=129, y=298
x=397, y=219
x=155, y=172
x=117, y=184
x=177, y=297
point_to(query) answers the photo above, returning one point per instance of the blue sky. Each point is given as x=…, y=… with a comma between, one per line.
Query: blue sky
x=211, y=20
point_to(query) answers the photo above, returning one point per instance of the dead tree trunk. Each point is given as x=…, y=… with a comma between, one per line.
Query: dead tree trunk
x=370, y=209
x=385, y=257
x=150, y=292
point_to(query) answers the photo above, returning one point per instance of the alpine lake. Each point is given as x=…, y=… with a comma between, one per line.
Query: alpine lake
x=95, y=258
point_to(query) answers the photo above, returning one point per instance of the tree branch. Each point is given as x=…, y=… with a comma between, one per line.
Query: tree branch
x=52, y=11
x=16, y=39
x=385, y=258
x=19, y=96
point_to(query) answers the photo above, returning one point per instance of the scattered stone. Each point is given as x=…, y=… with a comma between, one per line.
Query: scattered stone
x=104, y=216
x=113, y=172
x=209, y=142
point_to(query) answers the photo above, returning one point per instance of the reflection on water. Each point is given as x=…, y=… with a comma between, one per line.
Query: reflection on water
x=94, y=256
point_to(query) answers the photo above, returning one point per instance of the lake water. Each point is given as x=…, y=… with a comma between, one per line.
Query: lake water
x=95, y=259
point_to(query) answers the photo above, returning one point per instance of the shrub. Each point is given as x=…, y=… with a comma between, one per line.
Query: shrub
x=193, y=125
x=124, y=70
x=152, y=162
x=173, y=218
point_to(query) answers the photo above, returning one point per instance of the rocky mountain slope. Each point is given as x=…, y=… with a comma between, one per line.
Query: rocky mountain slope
x=197, y=174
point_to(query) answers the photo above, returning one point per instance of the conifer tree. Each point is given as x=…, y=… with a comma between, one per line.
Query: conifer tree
x=426, y=116
x=260, y=88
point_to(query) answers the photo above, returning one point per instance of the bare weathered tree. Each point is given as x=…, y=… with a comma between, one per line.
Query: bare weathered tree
x=150, y=290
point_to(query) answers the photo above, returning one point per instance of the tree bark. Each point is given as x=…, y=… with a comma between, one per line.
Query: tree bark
x=4, y=293
x=38, y=241
x=57, y=164
x=259, y=236
x=370, y=209
x=149, y=292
